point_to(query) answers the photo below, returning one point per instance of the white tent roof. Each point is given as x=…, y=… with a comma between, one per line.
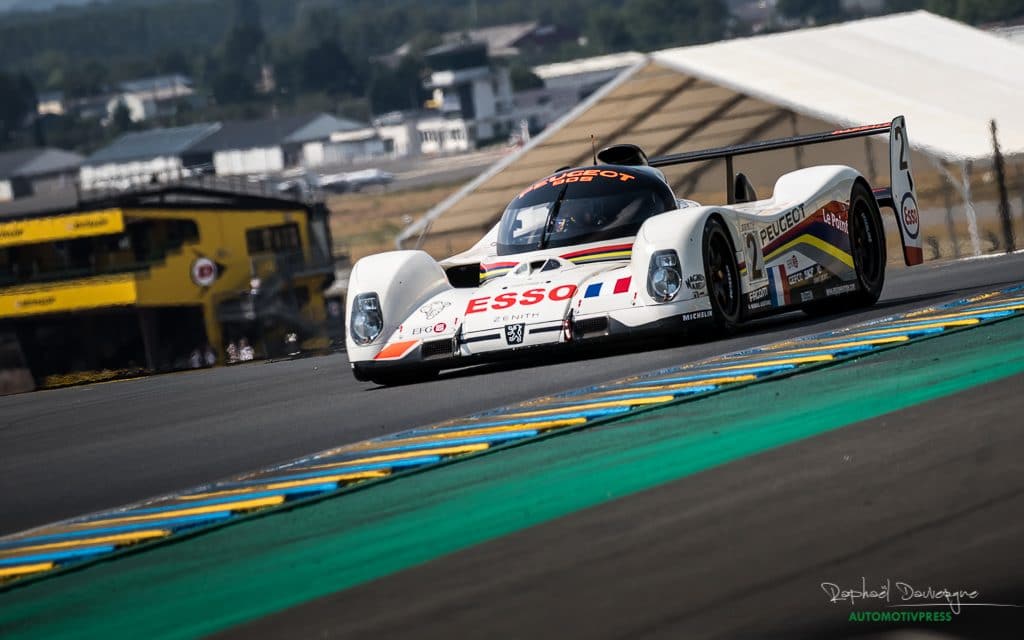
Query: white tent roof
x=947, y=78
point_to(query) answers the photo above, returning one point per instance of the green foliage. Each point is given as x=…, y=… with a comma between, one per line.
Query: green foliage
x=817, y=11
x=330, y=54
x=231, y=87
x=122, y=118
x=523, y=78
x=656, y=24
x=17, y=102
x=399, y=88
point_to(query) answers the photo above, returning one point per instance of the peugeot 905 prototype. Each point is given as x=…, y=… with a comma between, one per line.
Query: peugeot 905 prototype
x=609, y=250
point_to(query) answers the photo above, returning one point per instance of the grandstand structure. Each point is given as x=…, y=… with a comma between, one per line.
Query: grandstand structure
x=947, y=78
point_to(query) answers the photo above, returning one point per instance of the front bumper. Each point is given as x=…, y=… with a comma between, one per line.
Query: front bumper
x=493, y=345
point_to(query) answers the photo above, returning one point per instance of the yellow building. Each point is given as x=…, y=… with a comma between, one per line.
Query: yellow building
x=145, y=281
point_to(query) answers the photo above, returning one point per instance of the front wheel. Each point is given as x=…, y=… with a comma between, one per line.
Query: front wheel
x=723, y=276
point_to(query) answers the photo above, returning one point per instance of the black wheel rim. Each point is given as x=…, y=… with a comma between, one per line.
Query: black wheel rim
x=865, y=244
x=722, y=275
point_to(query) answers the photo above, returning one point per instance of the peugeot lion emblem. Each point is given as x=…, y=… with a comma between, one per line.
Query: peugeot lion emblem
x=514, y=333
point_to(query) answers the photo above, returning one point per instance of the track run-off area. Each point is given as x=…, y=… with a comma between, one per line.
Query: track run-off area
x=638, y=419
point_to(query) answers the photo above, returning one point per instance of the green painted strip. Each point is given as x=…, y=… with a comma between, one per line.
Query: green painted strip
x=263, y=565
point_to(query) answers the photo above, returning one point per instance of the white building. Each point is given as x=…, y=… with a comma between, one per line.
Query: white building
x=151, y=97
x=255, y=147
x=141, y=157
x=28, y=172
x=587, y=74
x=467, y=86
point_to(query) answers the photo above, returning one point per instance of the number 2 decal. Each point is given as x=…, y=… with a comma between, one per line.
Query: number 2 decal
x=898, y=132
x=755, y=259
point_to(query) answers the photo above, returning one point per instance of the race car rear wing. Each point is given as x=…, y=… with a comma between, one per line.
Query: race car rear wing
x=900, y=196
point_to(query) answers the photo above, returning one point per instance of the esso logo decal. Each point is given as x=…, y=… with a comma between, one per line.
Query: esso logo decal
x=203, y=271
x=911, y=217
x=525, y=298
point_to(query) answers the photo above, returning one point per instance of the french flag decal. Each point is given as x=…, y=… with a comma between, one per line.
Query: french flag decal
x=778, y=286
x=621, y=286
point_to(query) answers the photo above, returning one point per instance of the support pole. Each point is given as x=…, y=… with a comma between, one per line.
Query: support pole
x=872, y=170
x=947, y=199
x=963, y=185
x=730, y=181
x=1004, y=200
x=972, y=216
x=798, y=151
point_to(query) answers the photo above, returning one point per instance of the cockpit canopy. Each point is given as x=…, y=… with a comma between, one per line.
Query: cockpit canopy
x=582, y=205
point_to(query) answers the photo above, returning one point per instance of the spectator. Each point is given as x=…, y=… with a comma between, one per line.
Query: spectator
x=232, y=352
x=209, y=357
x=245, y=351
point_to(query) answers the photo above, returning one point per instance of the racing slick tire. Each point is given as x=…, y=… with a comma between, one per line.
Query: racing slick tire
x=722, y=274
x=867, y=247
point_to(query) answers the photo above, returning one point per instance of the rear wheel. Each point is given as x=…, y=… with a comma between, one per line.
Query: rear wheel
x=867, y=247
x=722, y=275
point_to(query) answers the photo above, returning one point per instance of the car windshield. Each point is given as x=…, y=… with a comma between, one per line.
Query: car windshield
x=579, y=206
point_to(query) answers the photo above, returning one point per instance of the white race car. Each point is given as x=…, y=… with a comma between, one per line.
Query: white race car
x=608, y=250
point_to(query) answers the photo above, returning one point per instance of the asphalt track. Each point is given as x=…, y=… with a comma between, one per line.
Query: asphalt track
x=72, y=451
x=932, y=495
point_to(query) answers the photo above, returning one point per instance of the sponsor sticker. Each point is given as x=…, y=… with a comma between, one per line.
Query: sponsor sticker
x=806, y=296
x=579, y=175
x=696, y=315
x=514, y=333
x=695, y=282
x=440, y=327
x=521, y=298
x=815, y=273
x=432, y=310
x=840, y=290
x=758, y=294
x=203, y=271
x=516, y=317
x=786, y=222
x=837, y=220
x=911, y=217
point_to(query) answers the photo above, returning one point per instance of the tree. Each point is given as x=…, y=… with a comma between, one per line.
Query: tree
x=122, y=117
x=231, y=87
x=607, y=30
x=173, y=61
x=399, y=88
x=818, y=11
x=244, y=47
x=84, y=80
x=523, y=78
x=656, y=24
x=325, y=67
x=17, y=103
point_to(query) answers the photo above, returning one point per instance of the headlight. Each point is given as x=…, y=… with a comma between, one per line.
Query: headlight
x=664, y=277
x=367, y=320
